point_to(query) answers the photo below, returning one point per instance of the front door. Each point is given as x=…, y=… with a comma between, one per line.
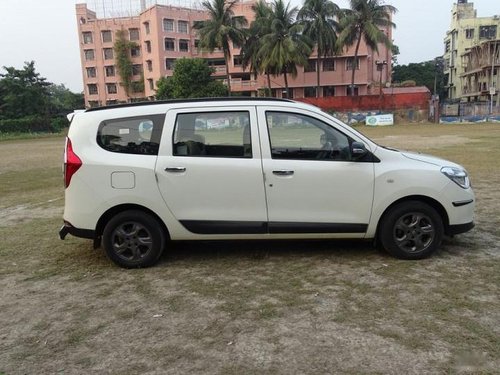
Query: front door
x=209, y=170
x=313, y=184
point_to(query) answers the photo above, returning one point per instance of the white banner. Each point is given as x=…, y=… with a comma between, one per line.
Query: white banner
x=380, y=120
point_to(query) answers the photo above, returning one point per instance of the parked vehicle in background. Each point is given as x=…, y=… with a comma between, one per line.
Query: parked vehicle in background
x=140, y=175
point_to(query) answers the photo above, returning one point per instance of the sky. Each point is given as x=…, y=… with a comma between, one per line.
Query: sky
x=45, y=31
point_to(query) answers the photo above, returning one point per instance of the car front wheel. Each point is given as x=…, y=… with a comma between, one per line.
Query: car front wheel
x=411, y=230
x=133, y=239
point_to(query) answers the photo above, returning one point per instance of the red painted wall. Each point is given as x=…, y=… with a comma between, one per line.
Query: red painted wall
x=371, y=102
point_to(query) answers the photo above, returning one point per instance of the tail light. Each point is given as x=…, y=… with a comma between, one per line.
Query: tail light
x=71, y=163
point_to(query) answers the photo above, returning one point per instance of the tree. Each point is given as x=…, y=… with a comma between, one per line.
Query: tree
x=424, y=74
x=364, y=20
x=258, y=28
x=192, y=78
x=285, y=46
x=319, y=18
x=64, y=101
x=220, y=29
x=395, y=53
x=122, y=48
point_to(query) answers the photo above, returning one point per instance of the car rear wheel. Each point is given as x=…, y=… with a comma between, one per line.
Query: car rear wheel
x=133, y=239
x=411, y=230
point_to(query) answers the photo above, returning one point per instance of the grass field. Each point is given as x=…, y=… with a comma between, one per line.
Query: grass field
x=316, y=307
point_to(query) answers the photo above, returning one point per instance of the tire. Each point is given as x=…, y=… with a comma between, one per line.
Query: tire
x=133, y=239
x=411, y=230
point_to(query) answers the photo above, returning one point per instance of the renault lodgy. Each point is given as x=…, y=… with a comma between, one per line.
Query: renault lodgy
x=140, y=175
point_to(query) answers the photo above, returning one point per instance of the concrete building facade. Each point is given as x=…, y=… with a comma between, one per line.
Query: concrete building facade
x=164, y=33
x=469, y=32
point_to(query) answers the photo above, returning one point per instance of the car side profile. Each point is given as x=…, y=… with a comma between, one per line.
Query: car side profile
x=140, y=175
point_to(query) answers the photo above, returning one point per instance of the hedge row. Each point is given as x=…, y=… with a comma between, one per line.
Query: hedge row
x=33, y=124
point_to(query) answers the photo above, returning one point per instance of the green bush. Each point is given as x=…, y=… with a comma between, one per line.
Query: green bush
x=29, y=124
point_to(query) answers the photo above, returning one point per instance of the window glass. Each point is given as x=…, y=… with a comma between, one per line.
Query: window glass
x=131, y=135
x=213, y=134
x=300, y=137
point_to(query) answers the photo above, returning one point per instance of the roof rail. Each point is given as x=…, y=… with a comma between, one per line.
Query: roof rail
x=194, y=100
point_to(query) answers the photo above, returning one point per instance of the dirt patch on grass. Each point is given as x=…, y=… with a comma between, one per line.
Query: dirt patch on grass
x=417, y=142
x=23, y=213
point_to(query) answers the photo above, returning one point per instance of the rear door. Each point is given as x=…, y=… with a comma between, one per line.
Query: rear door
x=209, y=170
x=313, y=183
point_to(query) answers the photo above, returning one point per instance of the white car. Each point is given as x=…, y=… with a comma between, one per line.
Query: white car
x=139, y=175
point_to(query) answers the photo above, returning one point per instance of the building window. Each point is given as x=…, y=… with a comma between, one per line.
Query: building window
x=469, y=33
x=89, y=54
x=151, y=84
x=149, y=64
x=109, y=71
x=107, y=37
x=182, y=27
x=328, y=65
x=135, y=51
x=146, y=27
x=350, y=63
x=237, y=60
x=196, y=43
x=169, y=44
x=133, y=34
x=136, y=69
x=108, y=53
x=349, y=90
x=87, y=37
x=447, y=46
x=310, y=66
x=92, y=88
x=488, y=32
x=290, y=93
x=91, y=72
x=148, y=46
x=111, y=88
x=169, y=64
x=328, y=91
x=184, y=45
x=168, y=25
x=309, y=92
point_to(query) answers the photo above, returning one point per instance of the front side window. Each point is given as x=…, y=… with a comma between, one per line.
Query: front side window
x=131, y=135
x=213, y=134
x=299, y=137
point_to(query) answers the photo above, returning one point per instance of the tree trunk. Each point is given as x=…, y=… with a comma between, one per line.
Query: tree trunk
x=354, y=64
x=318, y=75
x=286, y=84
x=269, y=83
x=226, y=57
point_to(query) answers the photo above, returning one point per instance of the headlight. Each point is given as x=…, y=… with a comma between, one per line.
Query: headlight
x=457, y=175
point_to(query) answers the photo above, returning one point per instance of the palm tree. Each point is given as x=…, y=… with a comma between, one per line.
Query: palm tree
x=363, y=21
x=320, y=20
x=284, y=46
x=258, y=28
x=222, y=28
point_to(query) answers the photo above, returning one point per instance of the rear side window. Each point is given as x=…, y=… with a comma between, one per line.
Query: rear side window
x=213, y=134
x=131, y=135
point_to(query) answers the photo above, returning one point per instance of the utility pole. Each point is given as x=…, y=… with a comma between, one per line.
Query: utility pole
x=380, y=67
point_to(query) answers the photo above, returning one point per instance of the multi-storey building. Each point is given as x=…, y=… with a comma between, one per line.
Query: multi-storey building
x=467, y=31
x=164, y=33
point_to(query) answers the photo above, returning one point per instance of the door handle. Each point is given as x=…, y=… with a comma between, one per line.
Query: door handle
x=283, y=173
x=175, y=169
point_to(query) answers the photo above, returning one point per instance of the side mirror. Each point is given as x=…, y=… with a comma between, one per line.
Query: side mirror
x=358, y=149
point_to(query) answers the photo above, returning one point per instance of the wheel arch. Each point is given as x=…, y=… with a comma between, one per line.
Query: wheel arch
x=113, y=211
x=421, y=198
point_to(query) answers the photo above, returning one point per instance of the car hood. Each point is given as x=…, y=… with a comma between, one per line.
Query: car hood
x=429, y=159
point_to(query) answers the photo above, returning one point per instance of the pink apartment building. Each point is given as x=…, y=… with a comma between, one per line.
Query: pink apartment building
x=164, y=33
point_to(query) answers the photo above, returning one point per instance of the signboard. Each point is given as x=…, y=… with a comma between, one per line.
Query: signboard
x=493, y=90
x=380, y=120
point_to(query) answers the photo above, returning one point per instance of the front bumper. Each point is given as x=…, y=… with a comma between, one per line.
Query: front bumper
x=459, y=228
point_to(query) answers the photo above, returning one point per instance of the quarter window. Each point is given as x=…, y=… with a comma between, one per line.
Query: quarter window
x=213, y=134
x=131, y=135
x=300, y=137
